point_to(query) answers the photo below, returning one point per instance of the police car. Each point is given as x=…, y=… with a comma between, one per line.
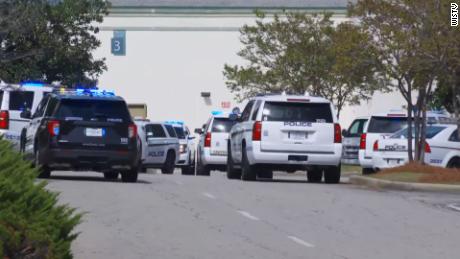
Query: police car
x=84, y=129
x=15, y=99
x=212, y=146
x=159, y=146
x=351, y=138
x=442, y=148
x=384, y=125
x=186, y=148
x=286, y=132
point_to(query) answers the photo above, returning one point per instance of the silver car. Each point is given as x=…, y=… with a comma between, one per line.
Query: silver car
x=159, y=146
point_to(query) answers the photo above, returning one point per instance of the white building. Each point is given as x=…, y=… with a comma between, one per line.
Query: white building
x=176, y=50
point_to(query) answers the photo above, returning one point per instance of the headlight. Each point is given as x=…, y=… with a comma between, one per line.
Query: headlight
x=183, y=148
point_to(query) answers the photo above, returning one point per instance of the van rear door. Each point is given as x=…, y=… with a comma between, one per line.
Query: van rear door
x=297, y=126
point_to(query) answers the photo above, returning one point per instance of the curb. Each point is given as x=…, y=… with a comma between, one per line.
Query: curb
x=402, y=186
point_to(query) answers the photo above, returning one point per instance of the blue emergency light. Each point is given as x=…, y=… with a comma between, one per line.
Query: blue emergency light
x=33, y=84
x=215, y=113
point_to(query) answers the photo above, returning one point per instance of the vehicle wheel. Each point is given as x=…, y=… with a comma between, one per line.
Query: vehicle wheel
x=202, y=169
x=367, y=171
x=44, y=170
x=454, y=163
x=111, y=175
x=315, y=175
x=190, y=169
x=332, y=174
x=247, y=171
x=265, y=173
x=168, y=167
x=232, y=172
x=129, y=176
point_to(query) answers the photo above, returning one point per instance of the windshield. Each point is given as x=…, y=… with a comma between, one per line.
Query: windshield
x=290, y=111
x=431, y=131
x=180, y=132
x=222, y=125
x=386, y=124
x=101, y=110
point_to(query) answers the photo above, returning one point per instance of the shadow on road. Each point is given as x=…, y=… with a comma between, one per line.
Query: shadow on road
x=294, y=181
x=91, y=179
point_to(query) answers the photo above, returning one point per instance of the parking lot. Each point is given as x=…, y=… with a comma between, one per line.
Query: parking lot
x=175, y=216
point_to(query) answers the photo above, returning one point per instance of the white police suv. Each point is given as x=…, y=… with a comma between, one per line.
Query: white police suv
x=384, y=125
x=158, y=148
x=186, y=147
x=15, y=99
x=286, y=132
x=442, y=148
x=212, y=146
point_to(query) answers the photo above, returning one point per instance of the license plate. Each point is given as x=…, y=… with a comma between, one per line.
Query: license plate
x=393, y=161
x=91, y=132
x=297, y=135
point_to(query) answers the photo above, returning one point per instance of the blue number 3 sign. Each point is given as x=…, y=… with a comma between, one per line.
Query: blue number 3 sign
x=119, y=43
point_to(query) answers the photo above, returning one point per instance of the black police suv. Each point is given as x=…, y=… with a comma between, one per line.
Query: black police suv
x=82, y=130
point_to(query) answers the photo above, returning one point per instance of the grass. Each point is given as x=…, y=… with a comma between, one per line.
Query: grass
x=348, y=170
x=419, y=173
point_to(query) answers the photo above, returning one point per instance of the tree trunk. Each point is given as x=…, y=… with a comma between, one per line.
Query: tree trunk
x=410, y=109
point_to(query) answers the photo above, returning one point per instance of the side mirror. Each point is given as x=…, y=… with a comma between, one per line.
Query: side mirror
x=26, y=114
x=233, y=117
x=199, y=131
x=344, y=133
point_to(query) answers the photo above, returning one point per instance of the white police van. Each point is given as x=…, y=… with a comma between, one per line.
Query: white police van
x=212, y=146
x=14, y=99
x=159, y=146
x=442, y=148
x=384, y=125
x=286, y=132
x=186, y=147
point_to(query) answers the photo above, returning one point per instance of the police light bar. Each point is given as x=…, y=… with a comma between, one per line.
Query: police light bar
x=174, y=122
x=33, y=84
x=214, y=113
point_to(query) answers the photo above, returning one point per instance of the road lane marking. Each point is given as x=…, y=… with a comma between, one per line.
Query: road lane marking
x=454, y=206
x=300, y=241
x=210, y=196
x=248, y=215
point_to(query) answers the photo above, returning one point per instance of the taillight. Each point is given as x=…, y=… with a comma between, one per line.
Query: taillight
x=53, y=128
x=427, y=148
x=257, y=131
x=337, y=133
x=132, y=131
x=362, y=141
x=376, y=145
x=4, y=120
x=207, y=140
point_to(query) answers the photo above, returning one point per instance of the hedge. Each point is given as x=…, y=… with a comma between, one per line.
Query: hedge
x=32, y=223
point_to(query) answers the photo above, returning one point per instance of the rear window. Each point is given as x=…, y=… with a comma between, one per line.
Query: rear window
x=288, y=111
x=222, y=125
x=357, y=128
x=1, y=98
x=171, y=131
x=386, y=124
x=431, y=131
x=180, y=132
x=21, y=100
x=100, y=110
x=155, y=131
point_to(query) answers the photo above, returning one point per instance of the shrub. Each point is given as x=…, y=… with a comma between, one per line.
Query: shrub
x=32, y=223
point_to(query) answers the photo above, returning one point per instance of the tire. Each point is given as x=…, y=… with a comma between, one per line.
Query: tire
x=129, y=176
x=190, y=169
x=44, y=170
x=367, y=171
x=232, y=172
x=247, y=171
x=454, y=163
x=170, y=163
x=202, y=170
x=265, y=173
x=315, y=176
x=111, y=175
x=332, y=174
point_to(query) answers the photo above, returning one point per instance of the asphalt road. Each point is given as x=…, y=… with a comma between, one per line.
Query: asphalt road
x=174, y=216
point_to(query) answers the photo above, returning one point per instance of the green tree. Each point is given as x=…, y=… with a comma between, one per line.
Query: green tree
x=50, y=40
x=299, y=52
